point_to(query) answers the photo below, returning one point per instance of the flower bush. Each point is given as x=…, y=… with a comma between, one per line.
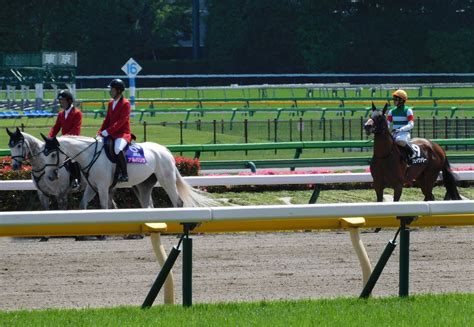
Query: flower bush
x=187, y=166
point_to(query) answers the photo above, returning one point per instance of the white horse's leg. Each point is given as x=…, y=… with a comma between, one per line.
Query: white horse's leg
x=44, y=200
x=168, y=182
x=143, y=192
x=112, y=204
x=62, y=201
x=88, y=195
x=104, y=197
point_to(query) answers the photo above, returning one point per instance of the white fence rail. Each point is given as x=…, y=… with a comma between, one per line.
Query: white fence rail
x=24, y=185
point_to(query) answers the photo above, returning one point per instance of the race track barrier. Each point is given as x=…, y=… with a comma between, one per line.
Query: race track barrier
x=233, y=219
x=233, y=180
x=298, y=147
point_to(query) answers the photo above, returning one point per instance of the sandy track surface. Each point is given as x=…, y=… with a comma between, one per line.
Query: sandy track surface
x=226, y=267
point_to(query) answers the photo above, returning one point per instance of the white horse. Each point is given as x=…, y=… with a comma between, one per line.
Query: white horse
x=22, y=146
x=99, y=171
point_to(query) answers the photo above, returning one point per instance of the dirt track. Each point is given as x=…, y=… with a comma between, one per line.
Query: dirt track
x=226, y=267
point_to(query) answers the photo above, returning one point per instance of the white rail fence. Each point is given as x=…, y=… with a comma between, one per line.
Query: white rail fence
x=24, y=185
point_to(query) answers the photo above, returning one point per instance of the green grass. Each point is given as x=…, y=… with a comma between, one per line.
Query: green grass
x=421, y=310
x=330, y=196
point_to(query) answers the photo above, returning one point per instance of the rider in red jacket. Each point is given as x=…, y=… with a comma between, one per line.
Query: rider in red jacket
x=117, y=125
x=69, y=122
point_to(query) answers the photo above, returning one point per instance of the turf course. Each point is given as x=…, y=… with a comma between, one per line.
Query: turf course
x=422, y=310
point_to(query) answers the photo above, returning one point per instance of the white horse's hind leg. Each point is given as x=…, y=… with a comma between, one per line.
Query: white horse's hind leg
x=143, y=192
x=168, y=182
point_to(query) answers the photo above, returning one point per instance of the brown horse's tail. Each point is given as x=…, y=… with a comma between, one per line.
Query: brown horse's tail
x=450, y=183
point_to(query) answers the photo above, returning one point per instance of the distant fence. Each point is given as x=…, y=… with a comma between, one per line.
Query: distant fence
x=248, y=79
x=278, y=130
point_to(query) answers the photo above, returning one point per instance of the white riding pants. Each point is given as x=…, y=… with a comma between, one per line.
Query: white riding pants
x=119, y=145
x=402, y=138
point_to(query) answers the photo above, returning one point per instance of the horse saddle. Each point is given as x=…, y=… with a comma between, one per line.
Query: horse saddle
x=133, y=152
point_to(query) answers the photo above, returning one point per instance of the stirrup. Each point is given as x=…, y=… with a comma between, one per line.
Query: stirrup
x=122, y=178
x=76, y=184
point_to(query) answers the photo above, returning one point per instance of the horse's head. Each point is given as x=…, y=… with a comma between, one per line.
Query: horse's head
x=17, y=147
x=377, y=124
x=51, y=153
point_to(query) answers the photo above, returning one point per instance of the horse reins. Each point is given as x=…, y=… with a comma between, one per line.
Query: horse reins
x=378, y=131
x=86, y=170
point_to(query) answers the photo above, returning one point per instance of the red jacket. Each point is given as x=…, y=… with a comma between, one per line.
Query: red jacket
x=69, y=126
x=117, y=121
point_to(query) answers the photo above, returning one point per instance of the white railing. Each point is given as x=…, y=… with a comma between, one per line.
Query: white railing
x=24, y=185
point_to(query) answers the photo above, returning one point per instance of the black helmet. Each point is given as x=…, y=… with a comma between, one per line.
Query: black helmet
x=65, y=94
x=117, y=84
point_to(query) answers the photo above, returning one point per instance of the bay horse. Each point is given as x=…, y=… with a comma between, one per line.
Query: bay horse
x=99, y=172
x=389, y=167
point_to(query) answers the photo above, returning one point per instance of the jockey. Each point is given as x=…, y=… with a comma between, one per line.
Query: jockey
x=69, y=121
x=402, y=120
x=117, y=125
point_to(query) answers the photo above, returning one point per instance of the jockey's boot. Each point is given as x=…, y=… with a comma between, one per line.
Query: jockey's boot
x=409, y=150
x=122, y=165
x=410, y=153
x=75, y=171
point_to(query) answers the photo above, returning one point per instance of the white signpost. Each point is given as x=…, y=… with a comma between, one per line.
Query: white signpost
x=132, y=68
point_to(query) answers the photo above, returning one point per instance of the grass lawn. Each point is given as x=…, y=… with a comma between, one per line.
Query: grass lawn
x=330, y=196
x=420, y=310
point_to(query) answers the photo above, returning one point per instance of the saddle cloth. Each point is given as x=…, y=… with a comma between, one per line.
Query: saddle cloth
x=133, y=152
x=419, y=157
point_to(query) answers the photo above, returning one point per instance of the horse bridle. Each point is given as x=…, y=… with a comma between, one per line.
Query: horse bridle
x=42, y=171
x=376, y=131
x=86, y=170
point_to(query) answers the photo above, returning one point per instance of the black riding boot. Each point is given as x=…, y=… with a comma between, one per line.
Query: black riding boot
x=410, y=154
x=409, y=150
x=122, y=166
x=75, y=171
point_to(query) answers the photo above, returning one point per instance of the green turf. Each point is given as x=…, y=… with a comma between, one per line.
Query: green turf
x=329, y=196
x=421, y=310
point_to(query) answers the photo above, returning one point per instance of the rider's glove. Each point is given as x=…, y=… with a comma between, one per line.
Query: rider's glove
x=105, y=133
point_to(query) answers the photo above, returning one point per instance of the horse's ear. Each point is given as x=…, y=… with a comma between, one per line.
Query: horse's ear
x=385, y=108
x=18, y=130
x=373, y=106
x=8, y=132
x=44, y=137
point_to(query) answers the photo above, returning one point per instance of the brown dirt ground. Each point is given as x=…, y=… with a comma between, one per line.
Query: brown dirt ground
x=63, y=273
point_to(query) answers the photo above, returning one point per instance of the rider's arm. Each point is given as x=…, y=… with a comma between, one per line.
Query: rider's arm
x=76, y=129
x=411, y=122
x=55, y=129
x=106, y=122
x=389, y=118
